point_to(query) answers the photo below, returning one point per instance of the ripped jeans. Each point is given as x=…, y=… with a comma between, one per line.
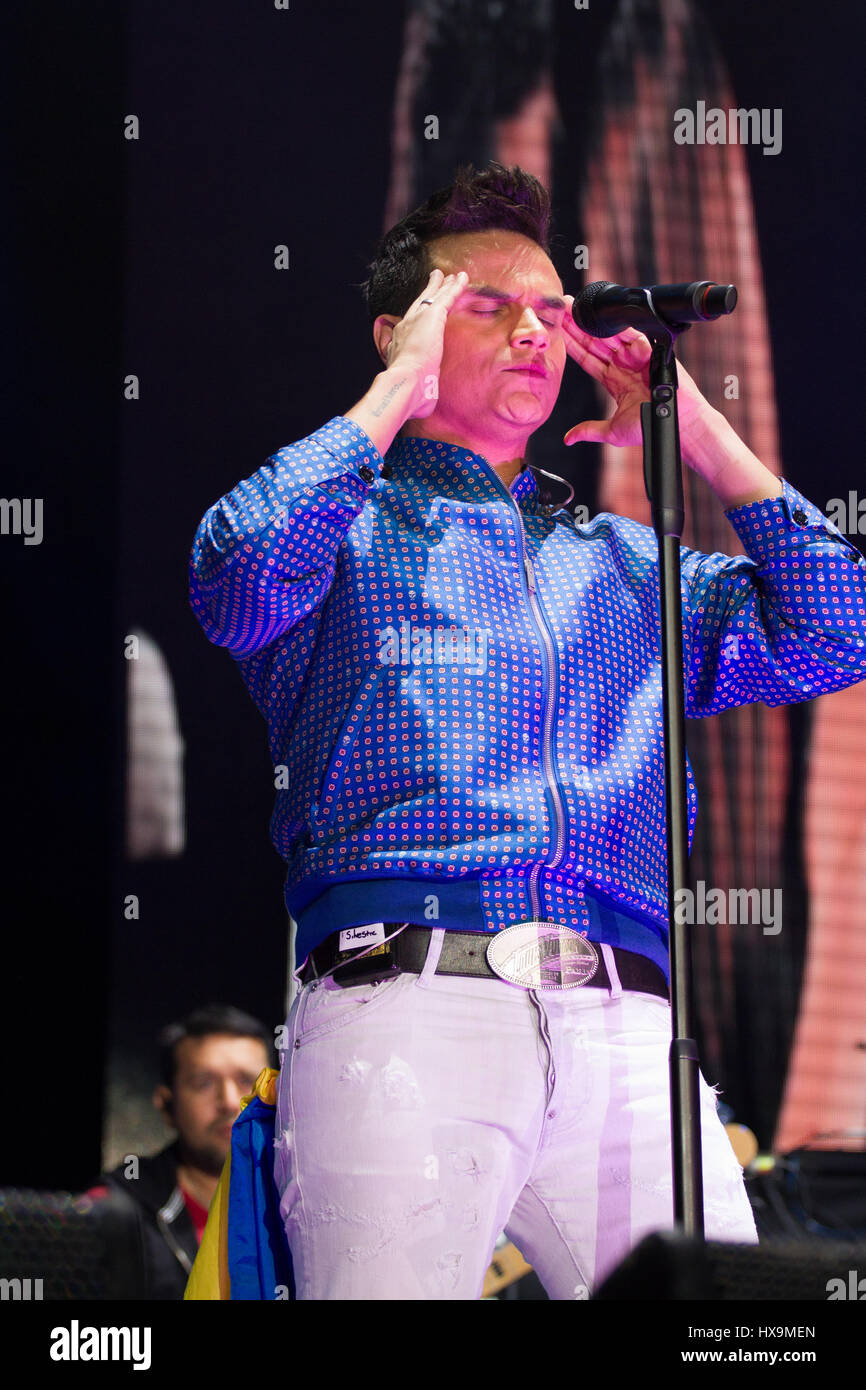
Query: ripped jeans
x=420, y=1117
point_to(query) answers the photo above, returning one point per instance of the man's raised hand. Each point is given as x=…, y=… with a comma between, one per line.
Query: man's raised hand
x=408, y=388
x=621, y=365
x=416, y=343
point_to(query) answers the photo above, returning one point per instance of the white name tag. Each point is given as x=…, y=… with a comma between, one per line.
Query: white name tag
x=371, y=934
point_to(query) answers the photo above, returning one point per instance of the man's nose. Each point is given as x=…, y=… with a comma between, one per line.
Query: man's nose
x=529, y=329
x=230, y=1096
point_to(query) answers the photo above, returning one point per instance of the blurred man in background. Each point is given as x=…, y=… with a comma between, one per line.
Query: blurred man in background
x=208, y=1062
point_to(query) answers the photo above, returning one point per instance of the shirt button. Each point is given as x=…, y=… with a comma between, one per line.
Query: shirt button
x=800, y=516
x=366, y=473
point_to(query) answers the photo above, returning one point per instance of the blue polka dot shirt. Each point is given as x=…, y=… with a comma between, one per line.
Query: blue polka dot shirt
x=463, y=686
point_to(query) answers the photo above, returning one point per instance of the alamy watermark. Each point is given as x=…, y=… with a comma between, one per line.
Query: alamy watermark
x=77, y=1343
x=854, y=1289
x=21, y=1290
x=737, y=126
x=413, y=645
x=22, y=516
x=848, y=515
x=732, y=906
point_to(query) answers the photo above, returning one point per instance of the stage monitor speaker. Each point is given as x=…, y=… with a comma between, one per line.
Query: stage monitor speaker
x=57, y=1246
x=825, y=1190
x=667, y=1265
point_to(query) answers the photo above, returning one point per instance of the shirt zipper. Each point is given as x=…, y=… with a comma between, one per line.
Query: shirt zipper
x=548, y=685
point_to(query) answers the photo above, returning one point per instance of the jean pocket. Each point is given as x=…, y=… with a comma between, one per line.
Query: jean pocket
x=326, y=1007
x=650, y=1009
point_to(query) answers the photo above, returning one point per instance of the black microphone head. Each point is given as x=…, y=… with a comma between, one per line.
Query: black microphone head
x=585, y=315
x=717, y=300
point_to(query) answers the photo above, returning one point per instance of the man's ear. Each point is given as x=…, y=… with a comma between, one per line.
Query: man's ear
x=164, y=1103
x=382, y=331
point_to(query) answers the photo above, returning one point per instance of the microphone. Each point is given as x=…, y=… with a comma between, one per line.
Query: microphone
x=603, y=309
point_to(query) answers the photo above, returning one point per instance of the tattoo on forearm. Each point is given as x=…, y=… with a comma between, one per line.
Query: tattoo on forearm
x=386, y=402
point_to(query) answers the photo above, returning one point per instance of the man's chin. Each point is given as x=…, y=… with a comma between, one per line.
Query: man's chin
x=209, y=1158
x=524, y=410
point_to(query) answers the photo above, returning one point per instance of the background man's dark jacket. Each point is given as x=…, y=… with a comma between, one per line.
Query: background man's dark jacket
x=170, y=1242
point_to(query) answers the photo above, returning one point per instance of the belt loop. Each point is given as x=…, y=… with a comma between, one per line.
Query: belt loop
x=612, y=972
x=297, y=974
x=434, y=951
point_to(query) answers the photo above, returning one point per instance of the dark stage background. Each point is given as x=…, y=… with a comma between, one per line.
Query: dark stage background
x=154, y=257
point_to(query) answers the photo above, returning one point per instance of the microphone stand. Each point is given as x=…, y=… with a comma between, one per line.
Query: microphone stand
x=664, y=488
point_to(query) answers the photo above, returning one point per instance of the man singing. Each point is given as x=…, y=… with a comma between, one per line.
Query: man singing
x=463, y=694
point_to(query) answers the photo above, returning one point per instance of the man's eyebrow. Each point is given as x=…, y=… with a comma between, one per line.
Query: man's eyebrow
x=550, y=301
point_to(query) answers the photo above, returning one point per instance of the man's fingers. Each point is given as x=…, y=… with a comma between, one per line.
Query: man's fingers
x=584, y=348
x=590, y=353
x=418, y=336
x=430, y=290
x=597, y=363
x=636, y=347
x=630, y=347
x=588, y=432
x=450, y=289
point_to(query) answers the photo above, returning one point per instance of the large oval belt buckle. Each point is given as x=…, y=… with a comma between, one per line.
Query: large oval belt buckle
x=542, y=955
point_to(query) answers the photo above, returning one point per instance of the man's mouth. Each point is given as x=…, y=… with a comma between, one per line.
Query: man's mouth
x=533, y=368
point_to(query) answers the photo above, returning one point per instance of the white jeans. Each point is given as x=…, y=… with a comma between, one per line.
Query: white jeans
x=420, y=1117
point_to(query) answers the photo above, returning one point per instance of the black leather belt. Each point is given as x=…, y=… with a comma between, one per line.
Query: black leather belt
x=463, y=953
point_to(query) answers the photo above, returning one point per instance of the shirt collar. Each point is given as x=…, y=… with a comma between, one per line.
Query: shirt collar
x=455, y=470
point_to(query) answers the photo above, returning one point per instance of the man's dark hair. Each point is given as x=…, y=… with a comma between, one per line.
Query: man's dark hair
x=201, y=1023
x=494, y=198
